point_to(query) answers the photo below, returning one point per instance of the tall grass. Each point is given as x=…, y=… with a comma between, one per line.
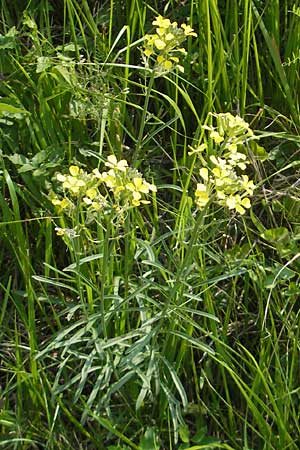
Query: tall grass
x=174, y=329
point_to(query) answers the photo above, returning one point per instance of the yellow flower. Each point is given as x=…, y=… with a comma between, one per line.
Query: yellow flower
x=248, y=185
x=168, y=65
x=92, y=204
x=188, y=31
x=150, y=186
x=91, y=193
x=238, y=203
x=56, y=202
x=97, y=173
x=232, y=147
x=117, y=190
x=159, y=44
x=239, y=160
x=216, y=137
x=165, y=42
x=201, y=195
x=148, y=51
x=60, y=177
x=139, y=186
x=113, y=163
x=109, y=178
x=63, y=204
x=161, y=22
x=73, y=184
x=60, y=231
x=217, y=161
x=74, y=170
x=222, y=176
x=136, y=197
x=169, y=36
x=220, y=194
x=204, y=173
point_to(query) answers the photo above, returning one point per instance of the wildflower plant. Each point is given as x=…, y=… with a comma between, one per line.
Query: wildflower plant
x=162, y=52
x=223, y=177
x=114, y=190
x=165, y=46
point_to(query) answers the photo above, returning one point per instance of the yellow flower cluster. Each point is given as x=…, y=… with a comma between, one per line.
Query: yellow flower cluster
x=78, y=185
x=91, y=190
x=222, y=176
x=166, y=43
x=126, y=184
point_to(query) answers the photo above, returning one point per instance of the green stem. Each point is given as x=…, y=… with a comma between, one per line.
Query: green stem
x=104, y=274
x=139, y=152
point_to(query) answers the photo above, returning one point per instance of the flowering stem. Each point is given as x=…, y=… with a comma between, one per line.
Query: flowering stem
x=104, y=273
x=76, y=248
x=139, y=152
x=185, y=263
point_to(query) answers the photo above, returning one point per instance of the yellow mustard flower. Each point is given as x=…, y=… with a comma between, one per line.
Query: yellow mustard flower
x=137, y=187
x=148, y=51
x=113, y=163
x=97, y=174
x=74, y=171
x=238, y=203
x=109, y=178
x=188, y=31
x=224, y=181
x=60, y=231
x=204, y=173
x=166, y=44
x=159, y=44
x=63, y=204
x=201, y=194
x=91, y=193
x=73, y=184
x=216, y=137
x=238, y=159
x=96, y=206
x=169, y=37
x=247, y=184
x=161, y=22
x=150, y=186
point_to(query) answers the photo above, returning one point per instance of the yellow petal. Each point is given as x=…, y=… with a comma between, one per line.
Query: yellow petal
x=148, y=52
x=56, y=202
x=97, y=173
x=161, y=22
x=112, y=161
x=74, y=170
x=91, y=193
x=60, y=177
x=159, y=44
x=169, y=36
x=231, y=202
x=246, y=203
x=168, y=65
x=204, y=173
